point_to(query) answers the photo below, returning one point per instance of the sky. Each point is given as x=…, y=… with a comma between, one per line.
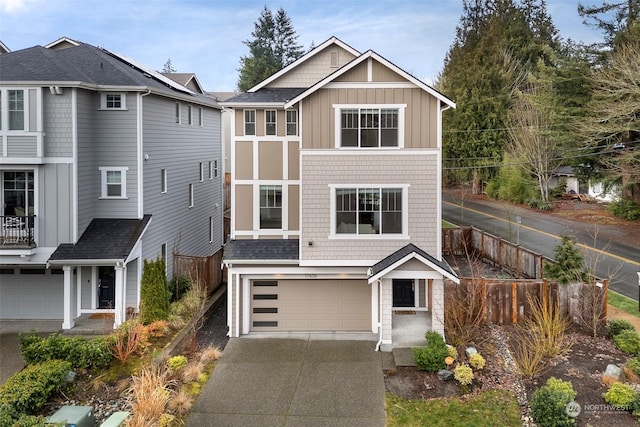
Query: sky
x=206, y=36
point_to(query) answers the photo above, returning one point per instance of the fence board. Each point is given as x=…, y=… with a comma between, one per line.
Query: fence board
x=205, y=269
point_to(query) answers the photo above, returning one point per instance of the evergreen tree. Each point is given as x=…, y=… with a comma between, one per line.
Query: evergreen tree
x=154, y=292
x=614, y=18
x=569, y=265
x=168, y=67
x=273, y=47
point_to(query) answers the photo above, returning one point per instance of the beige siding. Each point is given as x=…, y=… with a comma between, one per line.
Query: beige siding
x=412, y=265
x=244, y=207
x=420, y=130
x=318, y=171
x=294, y=160
x=381, y=73
x=357, y=74
x=294, y=206
x=244, y=160
x=270, y=160
x=239, y=119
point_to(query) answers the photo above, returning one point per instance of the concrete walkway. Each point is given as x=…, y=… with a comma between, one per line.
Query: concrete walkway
x=292, y=382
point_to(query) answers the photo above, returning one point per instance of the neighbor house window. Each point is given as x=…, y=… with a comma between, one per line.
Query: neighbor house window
x=163, y=180
x=114, y=182
x=201, y=171
x=213, y=169
x=200, y=117
x=249, y=122
x=292, y=122
x=190, y=114
x=16, y=109
x=113, y=101
x=270, y=122
x=270, y=206
x=178, y=113
x=361, y=211
x=211, y=227
x=190, y=195
x=369, y=127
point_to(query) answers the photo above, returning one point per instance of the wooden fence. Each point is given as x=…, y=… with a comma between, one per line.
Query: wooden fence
x=503, y=301
x=206, y=269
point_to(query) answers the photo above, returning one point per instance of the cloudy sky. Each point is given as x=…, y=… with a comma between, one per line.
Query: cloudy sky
x=205, y=36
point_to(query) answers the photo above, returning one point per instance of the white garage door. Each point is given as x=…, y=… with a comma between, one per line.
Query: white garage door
x=31, y=293
x=310, y=305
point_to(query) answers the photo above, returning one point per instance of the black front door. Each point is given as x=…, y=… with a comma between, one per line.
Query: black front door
x=106, y=287
x=403, y=293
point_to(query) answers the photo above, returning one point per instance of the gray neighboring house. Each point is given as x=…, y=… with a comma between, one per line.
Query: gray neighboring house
x=104, y=164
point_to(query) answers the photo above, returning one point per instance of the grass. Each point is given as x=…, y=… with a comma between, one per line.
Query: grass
x=624, y=303
x=477, y=411
x=446, y=224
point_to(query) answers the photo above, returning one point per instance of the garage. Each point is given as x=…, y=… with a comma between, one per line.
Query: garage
x=310, y=305
x=31, y=293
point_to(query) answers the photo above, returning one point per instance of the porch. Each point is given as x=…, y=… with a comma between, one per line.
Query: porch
x=409, y=327
x=92, y=324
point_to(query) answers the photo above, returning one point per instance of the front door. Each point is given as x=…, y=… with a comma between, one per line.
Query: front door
x=106, y=287
x=403, y=293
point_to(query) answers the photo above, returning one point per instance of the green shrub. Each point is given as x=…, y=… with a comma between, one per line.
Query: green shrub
x=628, y=341
x=431, y=358
x=176, y=363
x=615, y=326
x=477, y=361
x=453, y=352
x=178, y=287
x=549, y=402
x=544, y=206
x=621, y=395
x=569, y=265
x=81, y=353
x=463, y=374
x=154, y=292
x=625, y=209
x=633, y=365
x=10, y=418
x=27, y=391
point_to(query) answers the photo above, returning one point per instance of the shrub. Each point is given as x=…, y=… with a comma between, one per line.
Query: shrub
x=477, y=361
x=549, y=402
x=431, y=358
x=463, y=374
x=569, y=264
x=28, y=390
x=548, y=326
x=625, y=209
x=129, y=338
x=628, y=341
x=615, y=326
x=150, y=392
x=620, y=394
x=158, y=329
x=154, y=292
x=528, y=353
x=178, y=287
x=544, y=206
x=453, y=352
x=81, y=353
x=633, y=365
x=176, y=363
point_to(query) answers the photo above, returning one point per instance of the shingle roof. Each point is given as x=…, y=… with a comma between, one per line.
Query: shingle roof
x=408, y=250
x=267, y=249
x=267, y=95
x=104, y=238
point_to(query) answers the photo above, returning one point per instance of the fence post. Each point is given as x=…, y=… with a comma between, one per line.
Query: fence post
x=483, y=285
x=514, y=303
x=545, y=293
x=605, y=300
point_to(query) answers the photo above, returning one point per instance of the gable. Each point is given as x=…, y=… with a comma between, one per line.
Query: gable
x=371, y=71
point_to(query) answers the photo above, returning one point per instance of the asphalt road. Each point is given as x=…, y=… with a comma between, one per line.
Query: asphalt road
x=541, y=233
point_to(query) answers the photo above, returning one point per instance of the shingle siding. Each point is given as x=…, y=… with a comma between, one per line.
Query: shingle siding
x=58, y=123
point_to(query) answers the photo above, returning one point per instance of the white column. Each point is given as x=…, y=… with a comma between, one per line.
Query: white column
x=119, y=302
x=67, y=322
x=79, y=292
x=437, y=307
x=375, y=303
x=246, y=305
x=230, y=282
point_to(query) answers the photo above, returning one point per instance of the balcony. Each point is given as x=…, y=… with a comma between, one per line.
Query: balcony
x=17, y=231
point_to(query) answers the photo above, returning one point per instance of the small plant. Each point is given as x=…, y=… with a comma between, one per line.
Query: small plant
x=569, y=265
x=477, y=361
x=633, y=365
x=210, y=354
x=549, y=402
x=129, y=338
x=620, y=394
x=628, y=341
x=528, y=353
x=192, y=372
x=177, y=363
x=548, y=326
x=81, y=353
x=181, y=402
x=431, y=358
x=615, y=326
x=178, y=287
x=453, y=352
x=158, y=329
x=150, y=391
x=463, y=374
x=625, y=209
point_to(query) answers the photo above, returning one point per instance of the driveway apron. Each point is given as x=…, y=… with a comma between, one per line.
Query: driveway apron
x=289, y=382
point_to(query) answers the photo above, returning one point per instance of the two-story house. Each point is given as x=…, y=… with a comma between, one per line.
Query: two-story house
x=336, y=207
x=104, y=163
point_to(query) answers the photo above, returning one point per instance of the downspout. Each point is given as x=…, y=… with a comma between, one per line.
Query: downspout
x=379, y=315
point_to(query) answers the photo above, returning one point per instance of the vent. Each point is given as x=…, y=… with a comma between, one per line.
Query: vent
x=334, y=59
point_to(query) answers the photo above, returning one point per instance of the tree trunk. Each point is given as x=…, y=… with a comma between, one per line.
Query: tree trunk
x=475, y=186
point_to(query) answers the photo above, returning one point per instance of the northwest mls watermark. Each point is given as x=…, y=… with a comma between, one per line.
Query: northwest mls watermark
x=574, y=409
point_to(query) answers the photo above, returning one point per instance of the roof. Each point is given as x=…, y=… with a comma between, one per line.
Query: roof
x=4, y=48
x=265, y=96
x=254, y=251
x=403, y=255
x=564, y=171
x=184, y=79
x=110, y=239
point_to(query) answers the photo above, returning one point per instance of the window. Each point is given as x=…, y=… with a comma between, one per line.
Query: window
x=17, y=193
x=201, y=171
x=200, y=118
x=163, y=254
x=210, y=229
x=113, y=101
x=190, y=115
x=213, y=169
x=270, y=122
x=163, y=180
x=270, y=206
x=16, y=109
x=178, y=113
x=362, y=211
x=292, y=122
x=190, y=195
x=369, y=127
x=114, y=182
x=249, y=122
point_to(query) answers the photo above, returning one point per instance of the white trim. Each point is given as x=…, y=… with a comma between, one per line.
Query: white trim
x=406, y=274
x=191, y=196
x=300, y=257
x=337, y=263
x=190, y=115
x=374, y=308
x=264, y=113
x=267, y=182
x=61, y=40
x=370, y=85
x=74, y=166
x=36, y=160
x=103, y=181
x=246, y=310
x=201, y=173
x=411, y=256
x=232, y=190
x=39, y=122
x=255, y=166
x=178, y=112
x=237, y=312
x=94, y=287
x=164, y=181
x=369, y=70
x=384, y=151
x=230, y=279
x=67, y=312
x=305, y=272
x=245, y=122
x=337, y=111
x=78, y=291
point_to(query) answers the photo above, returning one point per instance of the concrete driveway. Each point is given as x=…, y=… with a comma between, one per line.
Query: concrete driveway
x=289, y=382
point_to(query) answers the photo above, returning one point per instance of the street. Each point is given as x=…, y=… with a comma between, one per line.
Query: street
x=541, y=233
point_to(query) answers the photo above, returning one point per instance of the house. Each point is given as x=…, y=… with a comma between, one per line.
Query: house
x=336, y=207
x=104, y=164
x=595, y=189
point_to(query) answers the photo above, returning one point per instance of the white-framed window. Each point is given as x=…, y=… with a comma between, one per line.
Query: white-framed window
x=211, y=227
x=113, y=101
x=200, y=117
x=178, y=113
x=270, y=122
x=369, y=126
x=163, y=180
x=113, y=182
x=213, y=169
x=201, y=171
x=249, y=122
x=292, y=122
x=375, y=210
x=190, y=115
x=16, y=109
x=190, y=195
x=270, y=207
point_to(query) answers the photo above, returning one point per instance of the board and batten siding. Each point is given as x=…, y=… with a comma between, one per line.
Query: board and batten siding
x=55, y=204
x=319, y=171
x=179, y=149
x=58, y=123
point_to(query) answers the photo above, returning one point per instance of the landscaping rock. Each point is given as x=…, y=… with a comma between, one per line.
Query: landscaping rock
x=470, y=351
x=614, y=372
x=445, y=375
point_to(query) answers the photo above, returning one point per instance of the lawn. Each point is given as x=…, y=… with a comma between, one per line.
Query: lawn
x=477, y=411
x=624, y=303
x=446, y=224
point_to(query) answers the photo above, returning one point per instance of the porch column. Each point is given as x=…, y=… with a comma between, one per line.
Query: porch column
x=119, y=302
x=387, y=312
x=437, y=307
x=67, y=315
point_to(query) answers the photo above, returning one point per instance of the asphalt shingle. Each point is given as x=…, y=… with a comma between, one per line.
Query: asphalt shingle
x=272, y=249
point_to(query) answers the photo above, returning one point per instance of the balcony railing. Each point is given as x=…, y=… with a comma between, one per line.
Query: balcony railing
x=17, y=231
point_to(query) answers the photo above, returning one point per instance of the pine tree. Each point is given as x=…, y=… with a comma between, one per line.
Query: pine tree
x=168, y=67
x=154, y=292
x=569, y=265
